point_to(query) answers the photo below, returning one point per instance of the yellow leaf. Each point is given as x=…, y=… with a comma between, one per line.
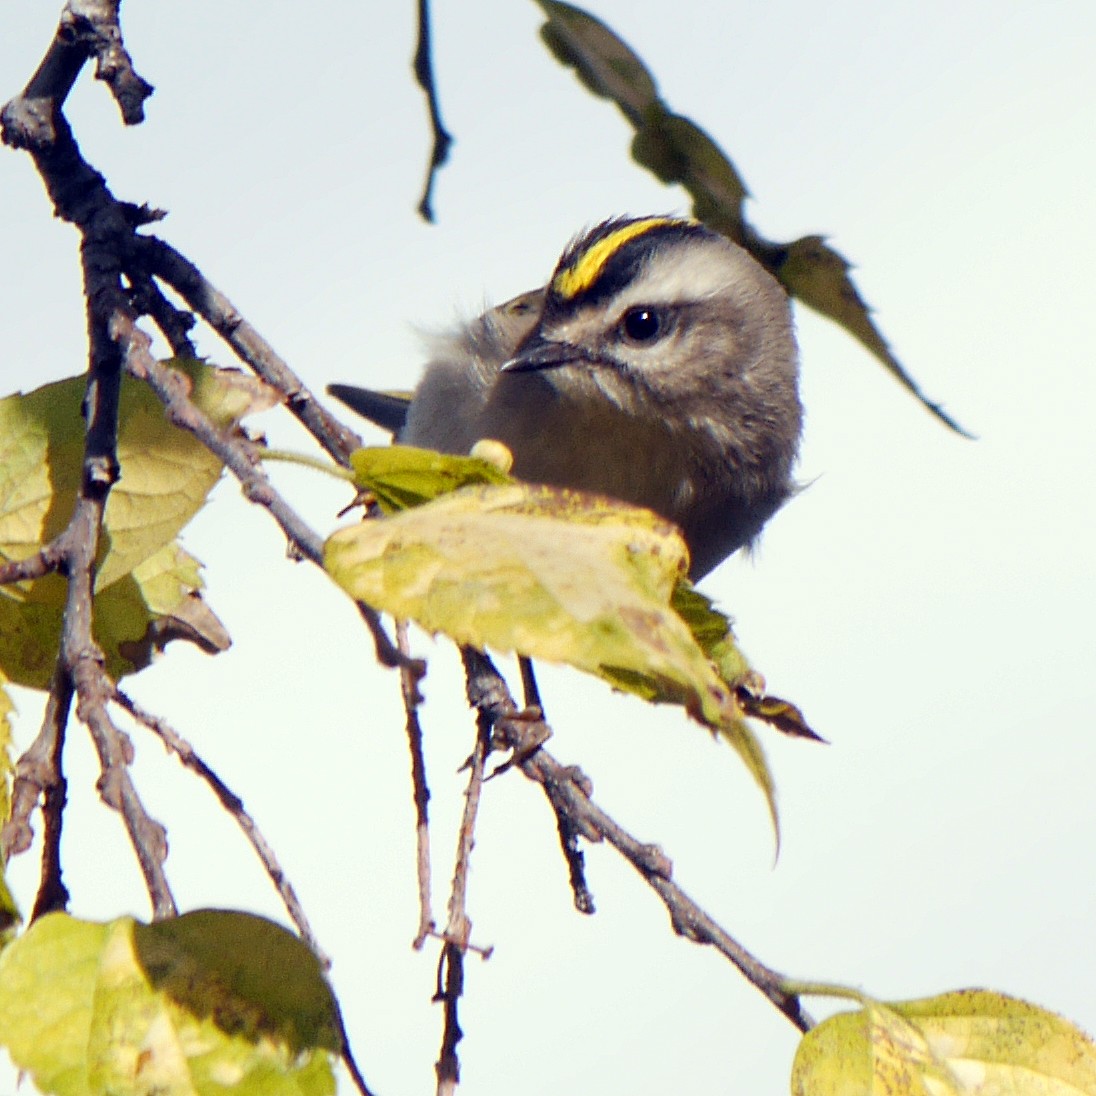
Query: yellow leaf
x=967, y=1043
x=546, y=572
x=166, y=473
x=134, y=618
x=145, y=584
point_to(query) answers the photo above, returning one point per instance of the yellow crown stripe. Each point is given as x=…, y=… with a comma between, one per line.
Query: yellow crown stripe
x=584, y=271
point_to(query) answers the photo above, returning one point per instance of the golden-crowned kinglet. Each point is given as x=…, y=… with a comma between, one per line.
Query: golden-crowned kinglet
x=657, y=366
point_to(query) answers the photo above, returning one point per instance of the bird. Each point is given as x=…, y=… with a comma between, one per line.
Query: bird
x=657, y=366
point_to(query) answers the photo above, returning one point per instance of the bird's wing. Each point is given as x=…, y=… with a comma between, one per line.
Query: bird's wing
x=387, y=409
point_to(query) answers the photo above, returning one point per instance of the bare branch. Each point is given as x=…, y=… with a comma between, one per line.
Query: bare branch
x=458, y=929
x=569, y=792
x=410, y=676
x=154, y=257
x=34, y=121
x=38, y=774
x=232, y=803
x=94, y=24
x=147, y=836
x=52, y=893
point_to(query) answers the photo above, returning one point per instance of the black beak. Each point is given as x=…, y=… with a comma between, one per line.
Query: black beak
x=538, y=352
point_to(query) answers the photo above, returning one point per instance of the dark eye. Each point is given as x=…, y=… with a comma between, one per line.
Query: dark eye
x=642, y=324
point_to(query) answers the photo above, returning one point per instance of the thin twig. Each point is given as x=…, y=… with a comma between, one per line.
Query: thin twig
x=458, y=930
x=234, y=805
x=154, y=257
x=44, y=562
x=529, y=688
x=568, y=834
x=52, y=893
x=174, y=323
x=347, y=1055
x=569, y=792
x=410, y=676
x=173, y=390
x=443, y=140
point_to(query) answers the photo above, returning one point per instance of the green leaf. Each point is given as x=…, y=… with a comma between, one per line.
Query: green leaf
x=204, y=1004
x=713, y=631
x=958, y=1044
x=402, y=476
x=677, y=150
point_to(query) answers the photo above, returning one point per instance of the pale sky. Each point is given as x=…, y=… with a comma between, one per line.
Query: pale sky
x=928, y=601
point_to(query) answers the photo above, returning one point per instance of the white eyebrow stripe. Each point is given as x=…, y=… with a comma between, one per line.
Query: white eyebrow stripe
x=662, y=281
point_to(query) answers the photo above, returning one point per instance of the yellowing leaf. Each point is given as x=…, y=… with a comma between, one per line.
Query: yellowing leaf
x=548, y=573
x=967, y=1043
x=203, y=1004
x=679, y=151
x=166, y=473
x=145, y=585
x=134, y=618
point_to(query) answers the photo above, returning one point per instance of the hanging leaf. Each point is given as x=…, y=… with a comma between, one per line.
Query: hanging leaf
x=679, y=151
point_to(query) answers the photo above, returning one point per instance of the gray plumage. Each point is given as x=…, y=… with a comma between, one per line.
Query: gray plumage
x=658, y=366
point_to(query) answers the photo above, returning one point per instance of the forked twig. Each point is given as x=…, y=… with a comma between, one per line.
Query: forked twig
x=458, y=929
x=569, y=794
